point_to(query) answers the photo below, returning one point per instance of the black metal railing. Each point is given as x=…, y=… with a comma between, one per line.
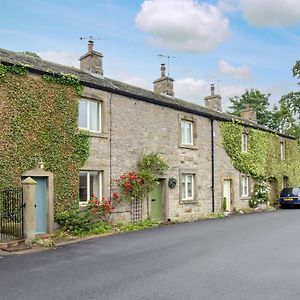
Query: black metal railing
x=11, y=214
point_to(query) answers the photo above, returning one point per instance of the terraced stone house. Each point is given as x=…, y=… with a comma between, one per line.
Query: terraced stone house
x=125, y=121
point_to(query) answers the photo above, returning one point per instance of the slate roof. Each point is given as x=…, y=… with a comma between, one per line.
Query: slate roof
x=40, y=66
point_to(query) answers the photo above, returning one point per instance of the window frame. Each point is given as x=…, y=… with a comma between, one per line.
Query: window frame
x=192, y=197
x=185, y=143
x=100, y=185
x=244, y=142
x=245, y=195
x=99, y=105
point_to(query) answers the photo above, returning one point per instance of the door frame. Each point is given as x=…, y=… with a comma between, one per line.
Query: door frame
x=38, y=172
x=231, y=193
x=164, y=200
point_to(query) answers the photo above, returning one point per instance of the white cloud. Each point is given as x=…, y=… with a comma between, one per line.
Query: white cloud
x=194, y=90
x=183, y=24
x=64, y=58
x=266, y=13
x=241, y=72
x=228, y=6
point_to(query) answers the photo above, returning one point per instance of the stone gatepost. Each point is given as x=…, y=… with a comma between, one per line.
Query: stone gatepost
x=29, y=186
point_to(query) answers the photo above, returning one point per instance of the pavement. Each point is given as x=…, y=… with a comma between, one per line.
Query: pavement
x=252, y=256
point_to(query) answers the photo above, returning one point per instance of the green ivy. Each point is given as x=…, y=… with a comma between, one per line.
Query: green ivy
x=262, y=161
x=39, y=118
x=66, y=79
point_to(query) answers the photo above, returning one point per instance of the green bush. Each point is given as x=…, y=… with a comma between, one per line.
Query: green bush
x=75, y=220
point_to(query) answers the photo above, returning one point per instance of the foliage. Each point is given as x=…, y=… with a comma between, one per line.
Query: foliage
x=153, y=162
x=263, y=160
x=104, y=208
x=137, y=226
x=255, y=99
x=75, y=220
x=19, y=70
x=286, y=118
x=31, y=54
x=78, y=228
x=39, y=121
x=260, y=193
x=65, y=79
x=216, y=215
x=137, y=185
x=133, y=186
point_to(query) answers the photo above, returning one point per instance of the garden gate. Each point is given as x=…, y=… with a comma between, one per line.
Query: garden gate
x=11, y=214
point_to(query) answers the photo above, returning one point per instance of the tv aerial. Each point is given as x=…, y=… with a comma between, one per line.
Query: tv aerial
x=168, y=57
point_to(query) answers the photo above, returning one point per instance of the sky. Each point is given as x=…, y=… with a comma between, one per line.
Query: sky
x=235, y=44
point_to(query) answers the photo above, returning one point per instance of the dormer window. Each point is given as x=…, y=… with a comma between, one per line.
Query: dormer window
x=244, y=142
x=90, y=115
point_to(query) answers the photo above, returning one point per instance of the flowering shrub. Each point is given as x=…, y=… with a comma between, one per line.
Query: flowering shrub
x=133, y=186
x=104, y=208
x=136, y=185
x=260, y=193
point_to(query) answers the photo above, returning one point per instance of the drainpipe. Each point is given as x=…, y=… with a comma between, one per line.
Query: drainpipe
x=212, y=166
x=110, y=146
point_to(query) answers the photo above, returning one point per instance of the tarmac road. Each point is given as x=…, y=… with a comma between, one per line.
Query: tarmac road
x=241, y=257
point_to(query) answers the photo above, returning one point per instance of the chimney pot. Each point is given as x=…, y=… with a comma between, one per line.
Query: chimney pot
x=163, y=70
x=90, y=46
x=212, y=89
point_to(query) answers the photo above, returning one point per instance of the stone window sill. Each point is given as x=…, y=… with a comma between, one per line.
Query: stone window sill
x=188, y=202
x=191, y=147
x=98, y=134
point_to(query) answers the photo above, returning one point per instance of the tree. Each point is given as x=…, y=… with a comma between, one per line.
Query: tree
x=255, y=99
x=286, y=118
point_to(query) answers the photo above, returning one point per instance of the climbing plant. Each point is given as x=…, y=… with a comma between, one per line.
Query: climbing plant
x=136, y=185
x=39, y=120
x=263, y=160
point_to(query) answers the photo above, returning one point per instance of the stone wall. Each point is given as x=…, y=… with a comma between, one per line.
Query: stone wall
x=139, y=127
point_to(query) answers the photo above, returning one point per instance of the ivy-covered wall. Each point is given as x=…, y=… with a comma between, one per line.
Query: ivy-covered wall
x=39, y=120
x=262, y=161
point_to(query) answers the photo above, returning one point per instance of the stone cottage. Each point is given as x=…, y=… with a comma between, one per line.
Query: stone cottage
x=125, y=121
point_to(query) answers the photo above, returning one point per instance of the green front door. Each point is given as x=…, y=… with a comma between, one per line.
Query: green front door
x=156, y=202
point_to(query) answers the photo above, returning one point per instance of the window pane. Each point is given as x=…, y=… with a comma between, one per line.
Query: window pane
x=183, y=193
x=182, y=130
x=94, y=116
x=82, y=119
x=94, y=184
x=83, y=186
x=186, y=133
x=245, y=181
x=189, y=133
x=189, y=186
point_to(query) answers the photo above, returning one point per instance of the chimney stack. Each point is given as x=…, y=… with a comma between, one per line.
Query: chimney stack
x=213, y=101
x=92, y=60
x=249, y=113
x=164, y=85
